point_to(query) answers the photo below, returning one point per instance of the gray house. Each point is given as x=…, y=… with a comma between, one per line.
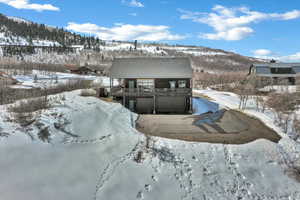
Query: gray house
x=276, y=71
x=153, y=85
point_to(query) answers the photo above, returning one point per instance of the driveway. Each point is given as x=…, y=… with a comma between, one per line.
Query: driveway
x=213, y=126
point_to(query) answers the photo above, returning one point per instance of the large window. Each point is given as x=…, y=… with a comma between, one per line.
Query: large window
x=282, y=71
x=172, y=84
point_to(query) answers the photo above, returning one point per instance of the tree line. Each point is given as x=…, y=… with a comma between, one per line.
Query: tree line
x=34, y=31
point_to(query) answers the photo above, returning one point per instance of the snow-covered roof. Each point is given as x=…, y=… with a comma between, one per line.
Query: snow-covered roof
x=151, y=67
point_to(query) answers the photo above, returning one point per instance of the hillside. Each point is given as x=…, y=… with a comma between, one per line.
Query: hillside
x=44, y=44
x=17, y=31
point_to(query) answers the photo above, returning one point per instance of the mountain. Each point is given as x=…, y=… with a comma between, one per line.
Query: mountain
x=45, y=44
x=18, y=31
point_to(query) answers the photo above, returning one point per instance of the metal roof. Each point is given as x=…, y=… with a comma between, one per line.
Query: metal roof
x=277, y=65
x=151, y=67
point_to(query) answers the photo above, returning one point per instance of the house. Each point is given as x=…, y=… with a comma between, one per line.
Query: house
x=5, y=79
x=84, y=70
x=276, y=71
x=153, y=84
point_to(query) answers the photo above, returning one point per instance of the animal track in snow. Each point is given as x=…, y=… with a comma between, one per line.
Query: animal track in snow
x=87, y=141
x=110, y=169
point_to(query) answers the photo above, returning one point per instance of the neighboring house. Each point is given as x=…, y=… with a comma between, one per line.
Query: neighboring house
x=84, y=70
x=276, y=71
x=153, y=84
x=5, y=79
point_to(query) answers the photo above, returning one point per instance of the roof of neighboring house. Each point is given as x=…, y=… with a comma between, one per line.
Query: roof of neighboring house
x=151, y=67
x=277, y=65
x=89, y=67
x=71, y=67
x=5, y=77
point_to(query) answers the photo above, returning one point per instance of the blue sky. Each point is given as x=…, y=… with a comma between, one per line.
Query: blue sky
x=262, y=28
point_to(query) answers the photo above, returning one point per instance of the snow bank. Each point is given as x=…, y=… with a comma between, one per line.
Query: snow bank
x=287, y=148
x=92, y=151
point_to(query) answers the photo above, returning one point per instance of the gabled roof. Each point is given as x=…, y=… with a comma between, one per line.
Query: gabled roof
x=151, y=67
x=277, y=65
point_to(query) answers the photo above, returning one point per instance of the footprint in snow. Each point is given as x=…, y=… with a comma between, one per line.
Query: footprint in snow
x=140, y=195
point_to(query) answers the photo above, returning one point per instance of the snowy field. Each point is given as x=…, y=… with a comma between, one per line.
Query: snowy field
x=91, y=156
x=49, y=79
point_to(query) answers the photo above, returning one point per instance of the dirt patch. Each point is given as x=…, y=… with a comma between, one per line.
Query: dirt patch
x=226, y=127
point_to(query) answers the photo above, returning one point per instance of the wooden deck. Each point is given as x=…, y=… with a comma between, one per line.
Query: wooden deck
x=134, y=92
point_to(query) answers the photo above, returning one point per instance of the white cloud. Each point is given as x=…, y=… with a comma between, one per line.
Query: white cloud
x=133, y=3
x=268, y=54
x=233, y=23
x=288, y=15
x=292, y=58
x=133, y=14
x=262, y=52
x=25, y=4
x=237, y=33
x=126, y=32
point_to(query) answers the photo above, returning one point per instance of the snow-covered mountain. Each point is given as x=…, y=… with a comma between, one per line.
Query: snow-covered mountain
x=19, y=20
x=91, y=50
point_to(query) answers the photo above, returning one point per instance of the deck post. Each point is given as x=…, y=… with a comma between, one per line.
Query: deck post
x=154, y=96
x=124, y=99
x=191, y=97
x=154, y=104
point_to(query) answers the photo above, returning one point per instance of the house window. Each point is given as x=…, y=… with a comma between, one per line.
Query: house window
x=145, y=84
x=182, y=84
x=282, y=71
x=172, y=84
x=131, y=84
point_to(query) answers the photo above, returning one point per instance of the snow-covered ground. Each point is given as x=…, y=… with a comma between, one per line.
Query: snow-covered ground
x=14, y=40
x=122, y=46
x=42, y=79
x=280, y=88
x=202, y=53
x=99, y=163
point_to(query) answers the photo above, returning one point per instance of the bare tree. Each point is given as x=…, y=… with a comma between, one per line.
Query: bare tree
x=283, y=106
x=296, y=128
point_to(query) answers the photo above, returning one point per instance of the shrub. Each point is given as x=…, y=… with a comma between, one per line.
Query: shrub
x=297, y=128
x=24, y=112
x=30, y=105
x=10, y=95
x=283, y=105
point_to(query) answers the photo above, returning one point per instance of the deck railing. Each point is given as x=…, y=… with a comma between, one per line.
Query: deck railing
x=144, y=92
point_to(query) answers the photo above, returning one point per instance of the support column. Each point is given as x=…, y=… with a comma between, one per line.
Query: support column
x=124, y=99
x=154, y=104
x=154, y=97
x=191, y=96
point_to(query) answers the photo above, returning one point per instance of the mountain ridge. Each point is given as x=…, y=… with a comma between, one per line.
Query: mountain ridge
x=19, y=31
